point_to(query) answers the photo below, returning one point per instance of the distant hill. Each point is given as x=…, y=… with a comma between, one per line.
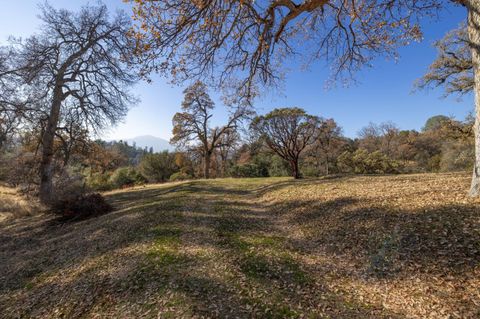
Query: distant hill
x=158, y=144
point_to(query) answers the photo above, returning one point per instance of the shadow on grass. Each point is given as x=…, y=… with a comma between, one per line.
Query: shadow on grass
x=263, y=277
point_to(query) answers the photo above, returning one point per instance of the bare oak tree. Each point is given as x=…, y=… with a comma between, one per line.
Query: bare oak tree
x=77, y=66
x=249, y=40
x=193, y=124
x=453, y=67
x=11, y=107
x=287, y=132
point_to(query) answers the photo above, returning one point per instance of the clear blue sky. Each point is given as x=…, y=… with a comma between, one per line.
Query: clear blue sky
x=384, y=93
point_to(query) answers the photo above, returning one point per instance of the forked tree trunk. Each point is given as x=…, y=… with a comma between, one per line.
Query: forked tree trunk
x=46, y=165
x=474, y=36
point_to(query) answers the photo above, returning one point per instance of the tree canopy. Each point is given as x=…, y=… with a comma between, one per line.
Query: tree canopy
x=453, y=67
x=76, y=70
x=287, y=132
x=246, y=42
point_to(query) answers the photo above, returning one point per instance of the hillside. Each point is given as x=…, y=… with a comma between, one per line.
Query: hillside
x=158, y=144
x=404, y=246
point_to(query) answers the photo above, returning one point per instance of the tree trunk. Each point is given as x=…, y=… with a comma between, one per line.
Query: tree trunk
x=224, y=167
x=295, y=170
x=474, y=36
x=326, y=164
x=206, y=168
x=46, y=165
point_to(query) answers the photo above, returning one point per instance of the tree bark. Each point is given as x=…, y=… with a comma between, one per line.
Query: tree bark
x=46, y=165
x=295, y=170
x=474, y=37
x=206, y=168
x=326, y=164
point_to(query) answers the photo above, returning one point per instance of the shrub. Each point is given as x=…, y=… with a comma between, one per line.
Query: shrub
x=158, y=167
x=363, y=162
x=180, y=176
x=99, y=182
x=127, y=177
x=68, y=184
x=278, y=166
x=82, y=206
x=249, y=170
x=457, y=156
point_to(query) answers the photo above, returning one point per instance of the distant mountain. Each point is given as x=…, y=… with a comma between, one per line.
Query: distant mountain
x=158, y=144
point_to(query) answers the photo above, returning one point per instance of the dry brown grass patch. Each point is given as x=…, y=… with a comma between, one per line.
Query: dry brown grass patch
x=13, y=204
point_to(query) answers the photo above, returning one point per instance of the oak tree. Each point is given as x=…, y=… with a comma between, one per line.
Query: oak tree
x=78, y=65
x=246, y=41
x=287, y=132
x=453, y=67
x=194, y=123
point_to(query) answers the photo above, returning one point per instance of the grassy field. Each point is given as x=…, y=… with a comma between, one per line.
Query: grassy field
x=350, y=247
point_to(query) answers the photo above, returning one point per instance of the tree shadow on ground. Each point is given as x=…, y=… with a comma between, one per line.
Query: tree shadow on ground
x=190, y=250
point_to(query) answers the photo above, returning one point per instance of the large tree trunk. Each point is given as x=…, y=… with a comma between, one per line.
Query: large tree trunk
x=46, y=165
x=295, y=170
x=474, y=36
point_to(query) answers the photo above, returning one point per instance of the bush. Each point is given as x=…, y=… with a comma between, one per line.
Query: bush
x=158, y=167
x=99, y=182
x=83, y=206
x=260, y=165
x=363, y=162
x=457, y=156
x=249, y=170
x=68, y=184
x=180, y=176
x=278, y=167
x=127, y=177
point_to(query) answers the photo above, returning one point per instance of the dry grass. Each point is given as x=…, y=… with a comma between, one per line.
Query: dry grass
x=350, y=247
x=14, y=205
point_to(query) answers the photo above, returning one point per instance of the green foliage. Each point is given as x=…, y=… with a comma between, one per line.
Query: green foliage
x=127, y=176
x=435, y=122
x=363, y=162
x=99, y=182
x=259, y=169
x=158, y=167
x=286, y=124
x=248, y=170
x=277, y=167
x=180, y=176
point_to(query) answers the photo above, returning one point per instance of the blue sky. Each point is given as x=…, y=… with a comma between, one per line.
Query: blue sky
x=383, y=93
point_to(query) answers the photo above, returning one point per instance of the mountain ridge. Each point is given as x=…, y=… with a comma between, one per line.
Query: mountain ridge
x=157, y=143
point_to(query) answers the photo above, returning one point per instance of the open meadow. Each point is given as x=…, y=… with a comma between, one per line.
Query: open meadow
x=405, y=246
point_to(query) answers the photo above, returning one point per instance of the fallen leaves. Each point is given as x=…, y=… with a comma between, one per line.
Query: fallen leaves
x=347, y=247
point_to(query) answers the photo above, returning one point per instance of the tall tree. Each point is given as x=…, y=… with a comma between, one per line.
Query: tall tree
x=193, y=124
x=187, y=38
x=287, y=132
x=457, y=67
x=77, y=65
x=226, y=146
x=327, y=138
x=11, y=108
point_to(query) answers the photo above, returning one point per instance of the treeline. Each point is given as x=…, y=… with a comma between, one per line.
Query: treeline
x=444, y=144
